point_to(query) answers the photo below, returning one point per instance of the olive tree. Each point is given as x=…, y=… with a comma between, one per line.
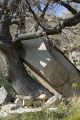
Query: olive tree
x=15, y=12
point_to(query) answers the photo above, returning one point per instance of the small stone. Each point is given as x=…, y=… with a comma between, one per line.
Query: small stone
x=19, y=102
x=64, y=50
x=43, y=97
x=23, y=100
x=52, y=109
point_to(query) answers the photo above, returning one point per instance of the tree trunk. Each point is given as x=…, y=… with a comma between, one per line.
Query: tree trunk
x=12, y=65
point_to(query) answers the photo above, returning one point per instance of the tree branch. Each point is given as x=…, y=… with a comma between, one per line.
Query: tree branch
x=66, y=5
x=72, y=21
x=76, y=1
x=34, y=14
x=45, y=9
x=56, y=30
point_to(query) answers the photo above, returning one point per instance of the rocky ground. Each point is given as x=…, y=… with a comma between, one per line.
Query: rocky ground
x=21, y=106
x=61, y=111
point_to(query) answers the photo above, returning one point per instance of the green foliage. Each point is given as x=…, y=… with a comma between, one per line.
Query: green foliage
x=74, y=114
x=42, y=115
x=75, y=87
x=64, y=112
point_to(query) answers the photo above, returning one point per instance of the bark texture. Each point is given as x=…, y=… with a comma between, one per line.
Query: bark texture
x=19, y=77
x=12, y=65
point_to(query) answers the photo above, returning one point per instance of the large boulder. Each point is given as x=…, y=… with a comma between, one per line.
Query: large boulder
x=50, y=63
x=55, y=66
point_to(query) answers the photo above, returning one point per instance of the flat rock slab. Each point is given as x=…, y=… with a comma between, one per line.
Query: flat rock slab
x=21, y=110
x=36, y=53
x=3, y=95
x=55, y=67
x=12, y=108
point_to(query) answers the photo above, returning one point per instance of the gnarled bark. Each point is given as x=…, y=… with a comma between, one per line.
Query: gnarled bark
x=19, y=77
x=13, y=68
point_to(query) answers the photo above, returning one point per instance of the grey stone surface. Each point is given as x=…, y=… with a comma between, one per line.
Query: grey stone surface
x=56, y=73
x=24, y=110
x=3, y=95
x=7, y=108
x=57, y=69
x=74, y=57
x=52, y=101
x=36, y=53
